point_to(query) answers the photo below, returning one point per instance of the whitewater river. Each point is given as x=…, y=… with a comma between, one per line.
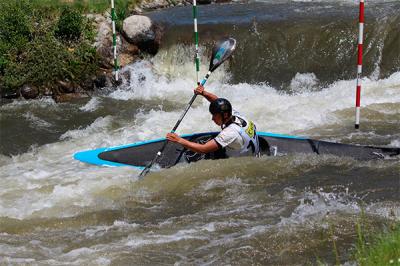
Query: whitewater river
x=293, y=73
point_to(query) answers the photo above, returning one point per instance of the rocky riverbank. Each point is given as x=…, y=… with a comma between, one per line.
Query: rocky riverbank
x=136, y=36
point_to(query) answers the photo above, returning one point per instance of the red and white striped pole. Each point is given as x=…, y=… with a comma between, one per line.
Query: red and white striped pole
x=359, y=63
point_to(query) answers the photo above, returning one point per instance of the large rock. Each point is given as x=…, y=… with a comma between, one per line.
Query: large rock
x=141, y=31
x=66, y=87
x=29, y=92
x=103, y=41
x=104, y=46
x=154, y=4
x=88, y=84
x=102, y=80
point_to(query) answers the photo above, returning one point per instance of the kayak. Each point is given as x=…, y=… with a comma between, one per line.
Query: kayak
x=139, y=154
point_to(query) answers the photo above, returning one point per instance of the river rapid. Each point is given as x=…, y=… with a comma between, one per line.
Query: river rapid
x=293, y=72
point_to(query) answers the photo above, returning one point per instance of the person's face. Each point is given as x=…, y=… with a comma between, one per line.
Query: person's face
x=217, y=118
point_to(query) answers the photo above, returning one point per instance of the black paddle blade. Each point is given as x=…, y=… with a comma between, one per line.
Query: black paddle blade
x=222, y=51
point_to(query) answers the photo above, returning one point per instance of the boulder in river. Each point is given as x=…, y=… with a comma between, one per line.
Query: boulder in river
x=141, y=31
x=29, y=92
x=126, y=51
x=102, y=80
x=65, y=86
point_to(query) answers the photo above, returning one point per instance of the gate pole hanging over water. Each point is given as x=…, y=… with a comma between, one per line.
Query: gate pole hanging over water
x=359, y=63
x=114, y=40
x=196, y=41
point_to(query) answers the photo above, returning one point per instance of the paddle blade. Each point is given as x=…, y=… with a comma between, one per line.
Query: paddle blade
x=222, y=51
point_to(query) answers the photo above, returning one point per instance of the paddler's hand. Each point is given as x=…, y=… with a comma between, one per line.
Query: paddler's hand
x=173, y=137
x=199, y=90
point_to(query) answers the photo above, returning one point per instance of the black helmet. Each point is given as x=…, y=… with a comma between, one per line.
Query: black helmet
x=220, y=106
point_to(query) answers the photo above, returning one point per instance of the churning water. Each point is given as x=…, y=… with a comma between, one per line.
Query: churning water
x=293, y=72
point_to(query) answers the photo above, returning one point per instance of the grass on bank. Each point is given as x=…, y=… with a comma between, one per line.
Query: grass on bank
x=371, y=247
x=43, y=41
x=85, y=6
x=122, y=7
x=383, y=249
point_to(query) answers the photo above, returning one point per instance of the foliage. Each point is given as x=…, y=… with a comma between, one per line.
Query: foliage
x=121, y=12
x=70, y=25
x=16, y=29
x=40, y=45
x=85, y=6
x=384, y=250
x=122, y=7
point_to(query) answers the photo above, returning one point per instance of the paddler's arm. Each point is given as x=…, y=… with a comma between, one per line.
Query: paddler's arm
x=207, y=147
x=208, y=95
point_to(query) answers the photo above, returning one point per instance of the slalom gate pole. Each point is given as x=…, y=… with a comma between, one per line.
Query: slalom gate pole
x=196, y=41
x=359, y=63
x=114, y=40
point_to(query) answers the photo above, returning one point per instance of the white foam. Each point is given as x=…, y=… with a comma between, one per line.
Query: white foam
x=117, y=225
x=73, y=254
x=169, y=75
x=304, y=82
x=91, y=105
x=36, y=121
x=103, y=261
x=99, y=125
x=395, y=143
x=41, y=102
x=314, y=206
x=269, y=108
x=217, y=183
x=60, y=187
x=134, y=241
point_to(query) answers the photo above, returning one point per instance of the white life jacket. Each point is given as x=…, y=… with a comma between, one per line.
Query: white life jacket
x=248, y=133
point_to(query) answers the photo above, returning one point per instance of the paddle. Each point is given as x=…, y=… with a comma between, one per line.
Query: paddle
x=222, y=51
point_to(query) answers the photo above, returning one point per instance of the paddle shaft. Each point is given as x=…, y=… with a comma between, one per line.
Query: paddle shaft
x=159, y=153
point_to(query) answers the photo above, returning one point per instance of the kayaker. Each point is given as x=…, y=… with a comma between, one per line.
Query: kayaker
x=238, y=134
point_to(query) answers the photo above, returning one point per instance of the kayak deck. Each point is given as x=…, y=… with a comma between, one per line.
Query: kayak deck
x=141, y=153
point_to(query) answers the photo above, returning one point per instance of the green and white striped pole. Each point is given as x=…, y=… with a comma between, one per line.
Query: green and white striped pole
x=113, y=19
x=196, y=41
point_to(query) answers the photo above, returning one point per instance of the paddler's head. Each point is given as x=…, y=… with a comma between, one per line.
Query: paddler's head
x=221, y=110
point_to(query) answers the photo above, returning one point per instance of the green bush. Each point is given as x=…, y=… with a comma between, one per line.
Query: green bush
x=70, y=25
x=16, y=28
x=121, y=13
x=47, y=60
x=3, y=58
x=45, y=46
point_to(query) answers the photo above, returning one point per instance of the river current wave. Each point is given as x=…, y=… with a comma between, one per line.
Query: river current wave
x=269, y=210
